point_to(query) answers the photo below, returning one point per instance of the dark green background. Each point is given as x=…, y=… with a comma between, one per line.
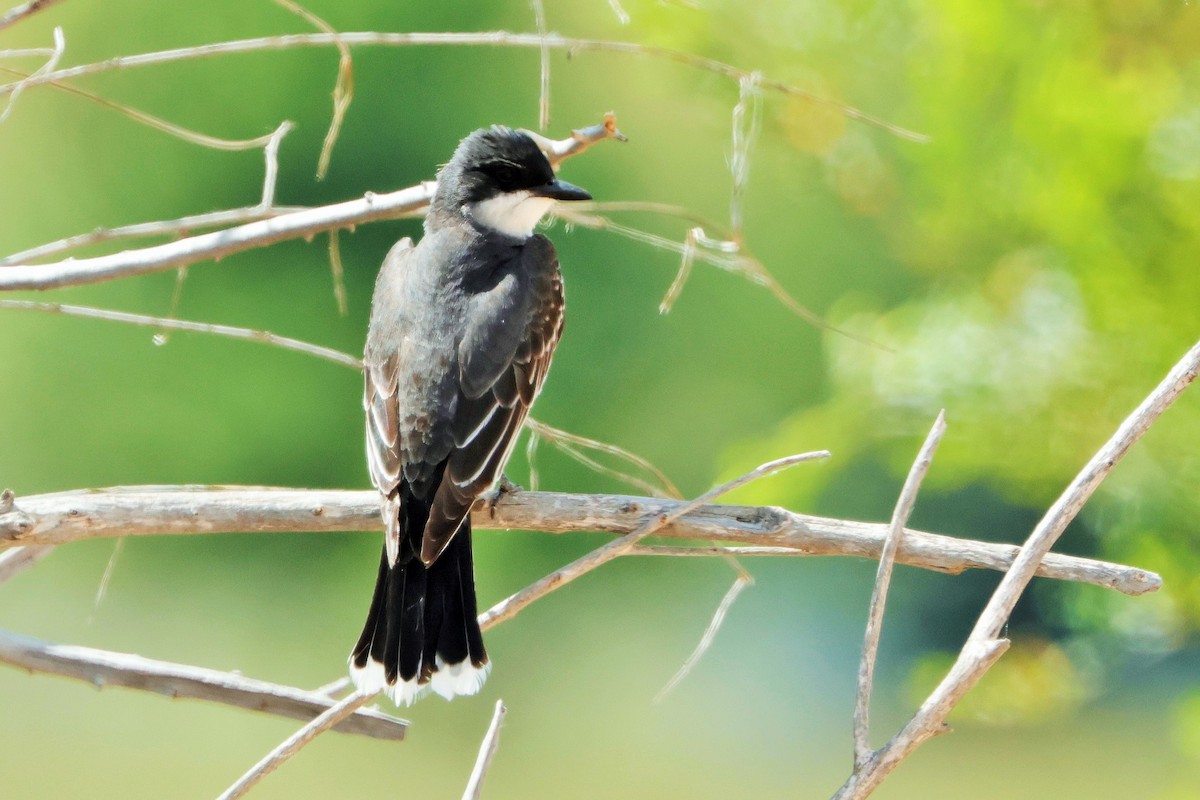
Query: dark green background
x=1032, y=269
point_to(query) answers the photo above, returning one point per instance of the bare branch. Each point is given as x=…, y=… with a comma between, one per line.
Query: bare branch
x=293, y=225
x=173, y=227
x=218, y=244
x=23, y=11
x=293, y=744
x=883, y=577
x=265, y=209
x=104, y=668
x=487, y=751
x=485, y=39
x=559, y=150
x=511, y=606
x=144, y=511
x=263, y=337
x=982, y=648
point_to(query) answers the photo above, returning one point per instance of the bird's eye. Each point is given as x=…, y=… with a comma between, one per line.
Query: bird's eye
x=504, y=174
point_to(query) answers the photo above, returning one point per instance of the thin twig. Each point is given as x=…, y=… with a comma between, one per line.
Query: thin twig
x=343, y=88
x=511, y=606
x=271, y=164
x=294, y=743
x=622, y=15
x=58, y=518
x=710, y=633
x=726, y=255
x=104, y=668
x=158, y=123
x=982, y=649
x=485, y=39
x=338, y=273
x=263, y=337
x=293, y=225
x=487, y=751
x=557, y=436
x=15, y=89
x=539, y=17
x=265, y=209
x=883, y=577
x=747, y=118
x=23, y=11
x=27, y=52
x=106, y=578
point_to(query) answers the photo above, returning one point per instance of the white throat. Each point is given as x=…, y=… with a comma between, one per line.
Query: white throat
x=513, y=213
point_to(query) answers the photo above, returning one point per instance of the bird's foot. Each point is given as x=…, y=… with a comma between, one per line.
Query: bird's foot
x=492, y=496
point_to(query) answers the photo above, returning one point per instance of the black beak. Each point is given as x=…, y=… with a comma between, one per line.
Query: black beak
x=561, y=190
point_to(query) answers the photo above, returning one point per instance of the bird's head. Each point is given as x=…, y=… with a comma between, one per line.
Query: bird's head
x=499, y=178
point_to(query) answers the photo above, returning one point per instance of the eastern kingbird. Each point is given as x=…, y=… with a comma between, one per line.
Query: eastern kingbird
x=463, y=327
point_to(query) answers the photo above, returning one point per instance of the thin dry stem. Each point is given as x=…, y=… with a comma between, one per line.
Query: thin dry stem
x=487, y=39
x=622, y=15
x=560, y=438
x=539, y=17
x=158, y=123
x=15, y=89
x=294, y=743
x=710, y=633
x=271, y=164
x=343, y=88
x=487, y=751
x=262, y=337
x=747, y=118
x=338, y=273
x=104, y=669
x=883, y=577
x=511, y=606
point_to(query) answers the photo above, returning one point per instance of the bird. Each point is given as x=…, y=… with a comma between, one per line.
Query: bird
x=462, y=330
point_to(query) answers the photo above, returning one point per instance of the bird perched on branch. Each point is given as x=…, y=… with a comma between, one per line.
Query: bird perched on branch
x=463, y=327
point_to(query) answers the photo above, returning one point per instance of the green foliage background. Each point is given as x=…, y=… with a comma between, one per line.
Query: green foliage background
x=1033, y=270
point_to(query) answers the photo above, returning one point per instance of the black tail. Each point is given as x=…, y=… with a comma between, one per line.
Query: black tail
x=422, y=631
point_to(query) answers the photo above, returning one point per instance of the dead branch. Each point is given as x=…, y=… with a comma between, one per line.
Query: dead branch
x=103, y=668
x=329, y=719
x=552, y=41
x=140, y=511
x=983, y=647
x=294, y=225
x=510, y=606
x=883, y=577
x=487, y=751
x=166, y=323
